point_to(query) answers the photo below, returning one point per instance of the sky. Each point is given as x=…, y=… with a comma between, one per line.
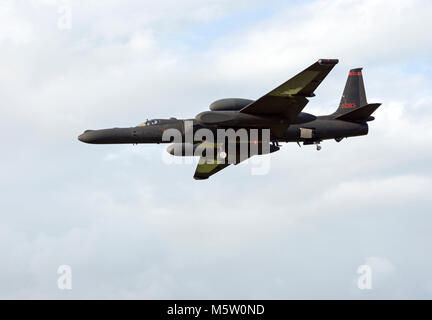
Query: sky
x=130, y=226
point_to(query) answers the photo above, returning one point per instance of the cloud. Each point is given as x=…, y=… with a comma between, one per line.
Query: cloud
x=14, y=28
x=354, y=31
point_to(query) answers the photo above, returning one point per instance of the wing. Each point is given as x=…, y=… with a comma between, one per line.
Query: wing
x=289, y=99
x=206, y=168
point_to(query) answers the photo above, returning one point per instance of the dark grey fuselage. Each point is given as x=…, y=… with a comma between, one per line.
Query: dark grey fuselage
x=324, y=127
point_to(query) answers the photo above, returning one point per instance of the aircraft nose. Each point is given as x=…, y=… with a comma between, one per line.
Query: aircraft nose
x=113, y=135
x=85, y=136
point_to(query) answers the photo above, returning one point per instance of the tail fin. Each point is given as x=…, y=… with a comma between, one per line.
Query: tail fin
x=354, y=98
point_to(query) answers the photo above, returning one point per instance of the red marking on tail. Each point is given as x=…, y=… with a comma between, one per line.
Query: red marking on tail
x=348, y=105
x=355, y=73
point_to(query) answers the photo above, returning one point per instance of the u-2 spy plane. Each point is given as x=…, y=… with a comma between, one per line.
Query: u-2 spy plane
x=278, y=113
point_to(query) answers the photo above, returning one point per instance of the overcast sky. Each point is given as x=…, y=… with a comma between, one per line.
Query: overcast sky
x=132, y=227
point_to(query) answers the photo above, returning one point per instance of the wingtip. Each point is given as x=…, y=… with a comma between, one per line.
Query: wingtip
x=328, y=61
x=200, y=178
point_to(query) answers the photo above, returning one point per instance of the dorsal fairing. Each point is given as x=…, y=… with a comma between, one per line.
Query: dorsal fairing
x=230, y=104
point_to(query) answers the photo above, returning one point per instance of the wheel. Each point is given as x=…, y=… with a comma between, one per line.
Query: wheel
x=318, y=148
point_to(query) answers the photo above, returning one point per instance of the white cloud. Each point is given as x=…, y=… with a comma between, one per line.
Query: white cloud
x=13, y=27
x=354, y=31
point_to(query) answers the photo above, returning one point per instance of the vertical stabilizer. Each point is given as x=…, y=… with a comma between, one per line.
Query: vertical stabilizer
x=354, y=95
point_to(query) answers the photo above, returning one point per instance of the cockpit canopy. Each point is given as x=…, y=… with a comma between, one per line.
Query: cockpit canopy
x=149, y=122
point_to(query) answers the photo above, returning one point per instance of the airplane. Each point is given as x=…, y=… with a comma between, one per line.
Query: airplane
x=279, y=112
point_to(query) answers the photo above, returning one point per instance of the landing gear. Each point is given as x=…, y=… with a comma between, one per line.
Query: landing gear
x=318, y=147
x=316, y=143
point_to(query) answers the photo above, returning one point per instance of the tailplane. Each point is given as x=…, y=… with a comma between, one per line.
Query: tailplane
x=360, y=114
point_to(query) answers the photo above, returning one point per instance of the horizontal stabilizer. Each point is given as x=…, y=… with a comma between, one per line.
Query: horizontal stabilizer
x=359, y=114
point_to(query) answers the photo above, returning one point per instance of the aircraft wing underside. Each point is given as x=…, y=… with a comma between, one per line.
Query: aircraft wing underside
x=208, y=167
